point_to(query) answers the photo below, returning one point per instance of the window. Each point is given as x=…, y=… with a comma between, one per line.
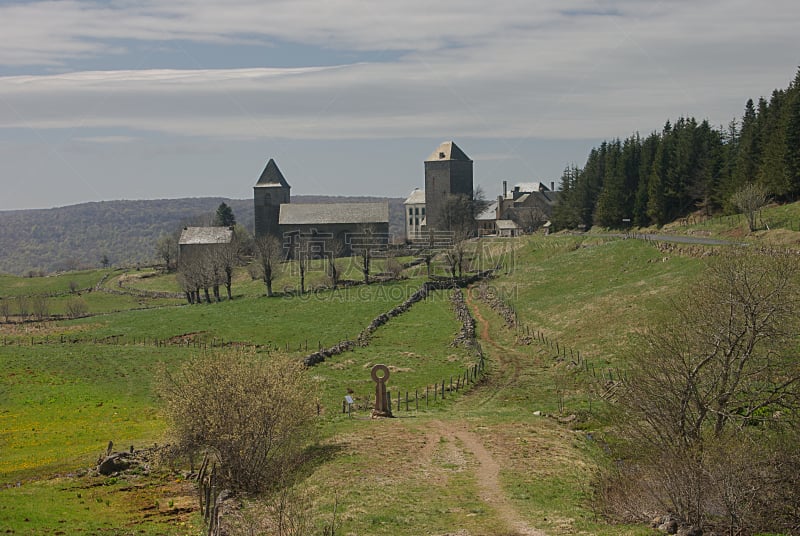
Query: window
x=410, y=211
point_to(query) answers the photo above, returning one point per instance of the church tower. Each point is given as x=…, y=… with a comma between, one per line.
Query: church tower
x=269, y=193
x=447, y=171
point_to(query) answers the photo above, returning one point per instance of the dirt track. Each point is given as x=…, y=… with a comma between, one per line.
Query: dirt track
x=457, y=434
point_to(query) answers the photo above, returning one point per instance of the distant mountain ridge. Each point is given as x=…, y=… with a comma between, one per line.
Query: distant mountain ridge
x=125, y=232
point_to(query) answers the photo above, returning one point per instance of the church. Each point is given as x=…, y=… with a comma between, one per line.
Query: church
x=343, y=226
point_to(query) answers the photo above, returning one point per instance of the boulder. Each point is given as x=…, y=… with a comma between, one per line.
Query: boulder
x=114, y=464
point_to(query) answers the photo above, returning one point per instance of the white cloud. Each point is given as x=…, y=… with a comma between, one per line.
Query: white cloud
x=513, y=69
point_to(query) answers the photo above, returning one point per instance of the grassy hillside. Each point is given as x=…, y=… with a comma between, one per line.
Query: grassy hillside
x=513, y=454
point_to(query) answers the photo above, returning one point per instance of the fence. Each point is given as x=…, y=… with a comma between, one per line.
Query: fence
x=432, y=394
x=608, y=379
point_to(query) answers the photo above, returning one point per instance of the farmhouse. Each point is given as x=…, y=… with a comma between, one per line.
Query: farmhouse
x=195, y=240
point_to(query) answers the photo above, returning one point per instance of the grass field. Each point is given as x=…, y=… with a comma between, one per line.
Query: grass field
x=512, y=454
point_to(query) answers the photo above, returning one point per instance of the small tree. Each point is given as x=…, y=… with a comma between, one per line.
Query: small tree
x=302, y=256
x=333, y=250
x=76, y=307
x=105, y=262
x=40, y=306
x=365, y=244
x=269, y=259
x=457, y=256
x=22, y=307
x=749, y=201
x=167, y=250
x=224, y=216
x=251, y=414
x=5, y=309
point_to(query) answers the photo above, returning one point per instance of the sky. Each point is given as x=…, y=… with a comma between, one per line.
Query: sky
x=147, y=99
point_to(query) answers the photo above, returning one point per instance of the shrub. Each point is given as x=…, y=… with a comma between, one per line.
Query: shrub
x=76, y=307
x=251, y=413
x=710, y=409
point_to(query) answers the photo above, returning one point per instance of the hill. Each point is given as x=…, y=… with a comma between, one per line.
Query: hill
x=76, y=236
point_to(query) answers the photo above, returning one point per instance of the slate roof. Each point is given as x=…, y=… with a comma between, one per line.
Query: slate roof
x=417, y=197
x=448, y=151
x=325, y=213
x=271, y=176
x=490, y=214
x=531, y=187
x=206, y=235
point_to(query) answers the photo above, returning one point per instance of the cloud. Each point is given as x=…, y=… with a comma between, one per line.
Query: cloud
x=556, y=70
x=105, y=139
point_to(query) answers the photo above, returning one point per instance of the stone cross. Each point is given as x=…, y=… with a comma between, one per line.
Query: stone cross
x=382, y=408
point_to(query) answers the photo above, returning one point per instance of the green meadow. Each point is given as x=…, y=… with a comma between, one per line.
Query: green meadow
x=67, y=387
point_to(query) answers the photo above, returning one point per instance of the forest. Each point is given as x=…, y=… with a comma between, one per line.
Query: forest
x=688, y=167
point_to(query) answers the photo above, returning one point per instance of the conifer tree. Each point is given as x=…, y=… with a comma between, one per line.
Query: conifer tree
x=224, y=216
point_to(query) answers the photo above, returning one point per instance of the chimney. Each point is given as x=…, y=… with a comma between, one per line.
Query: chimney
x=552, y=186
x=505, y=189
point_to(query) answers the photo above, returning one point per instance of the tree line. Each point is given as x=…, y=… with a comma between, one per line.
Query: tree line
x=688, y=166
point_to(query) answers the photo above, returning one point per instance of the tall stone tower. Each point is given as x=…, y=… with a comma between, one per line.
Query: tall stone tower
x=269, y=193
x=447, y=171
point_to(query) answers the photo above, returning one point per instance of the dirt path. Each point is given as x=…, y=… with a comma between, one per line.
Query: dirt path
x=487, y=470
x=487, y=473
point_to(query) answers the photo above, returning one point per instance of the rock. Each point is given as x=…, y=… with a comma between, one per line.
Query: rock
x=689, y=530
x=114, y=464
x=668, y=523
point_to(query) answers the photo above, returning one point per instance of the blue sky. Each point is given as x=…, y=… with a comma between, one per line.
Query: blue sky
x=128, y=99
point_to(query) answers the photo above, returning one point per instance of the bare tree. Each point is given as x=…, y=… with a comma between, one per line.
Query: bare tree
x=167, y=250
x=457, y=255
x=22, y=306
x=193, y=275
x=393, y=266
x=5, y=309
x=750, y=200
x=529, y=218
x=301, y=254
x=40, y=306
x=365, y=244
x=709, y=388
x=269, y=259
x=334, y=248
x=252, y=415
x=76, y=307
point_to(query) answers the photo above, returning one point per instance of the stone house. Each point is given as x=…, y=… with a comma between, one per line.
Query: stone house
x=324, y=228
x=203, y=239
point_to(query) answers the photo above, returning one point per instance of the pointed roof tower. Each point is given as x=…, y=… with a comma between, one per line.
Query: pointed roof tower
x=448, y=151
x=272, y=176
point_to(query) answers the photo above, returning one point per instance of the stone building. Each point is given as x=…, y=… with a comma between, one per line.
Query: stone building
x=325, y=227
x=529, y=205
x=202, y=239
x=414, y=214
x=448, y=171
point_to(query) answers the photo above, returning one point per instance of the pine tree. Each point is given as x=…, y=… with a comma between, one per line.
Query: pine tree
x=224, y=216
x=748, y=156
x=772, y=174
x=792, y=154
x=647, y=157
